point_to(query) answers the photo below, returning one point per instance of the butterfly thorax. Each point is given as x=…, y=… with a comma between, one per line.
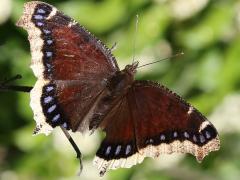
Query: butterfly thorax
x=116, y=88
x=122, y=80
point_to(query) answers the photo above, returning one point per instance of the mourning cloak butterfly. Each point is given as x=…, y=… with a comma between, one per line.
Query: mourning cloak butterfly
x=80, y=87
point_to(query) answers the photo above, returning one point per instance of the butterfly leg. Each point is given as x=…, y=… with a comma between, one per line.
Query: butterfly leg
x=75, y=147
x=113, y=47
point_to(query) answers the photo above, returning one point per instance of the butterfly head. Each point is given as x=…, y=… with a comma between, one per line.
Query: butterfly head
x=131, y=68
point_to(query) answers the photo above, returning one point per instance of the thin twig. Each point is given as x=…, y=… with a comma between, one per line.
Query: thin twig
x=25, y=89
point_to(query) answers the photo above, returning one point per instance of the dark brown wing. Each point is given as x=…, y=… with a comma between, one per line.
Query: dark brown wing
x=119, y=148
x=71, y=66
x=151, y=121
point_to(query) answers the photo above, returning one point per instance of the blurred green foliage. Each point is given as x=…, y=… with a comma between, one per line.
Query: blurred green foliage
x=207, y=31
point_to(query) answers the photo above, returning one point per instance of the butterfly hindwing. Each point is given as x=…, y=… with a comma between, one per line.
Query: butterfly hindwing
x=70, y=64
x=119, y=147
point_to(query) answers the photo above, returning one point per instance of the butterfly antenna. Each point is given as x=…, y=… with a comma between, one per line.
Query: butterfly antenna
x=174, y=56
x=113, y=47
x=134, y=40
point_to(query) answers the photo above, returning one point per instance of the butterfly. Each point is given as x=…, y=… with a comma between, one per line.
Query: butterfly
x=81, y=88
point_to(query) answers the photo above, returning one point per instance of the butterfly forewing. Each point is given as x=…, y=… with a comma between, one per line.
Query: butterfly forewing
x=161, y=123
x=71, y=66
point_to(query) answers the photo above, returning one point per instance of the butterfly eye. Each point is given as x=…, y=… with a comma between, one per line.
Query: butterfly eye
x=128, y=66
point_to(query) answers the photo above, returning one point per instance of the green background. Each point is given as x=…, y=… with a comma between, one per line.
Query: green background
x=207, y=76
